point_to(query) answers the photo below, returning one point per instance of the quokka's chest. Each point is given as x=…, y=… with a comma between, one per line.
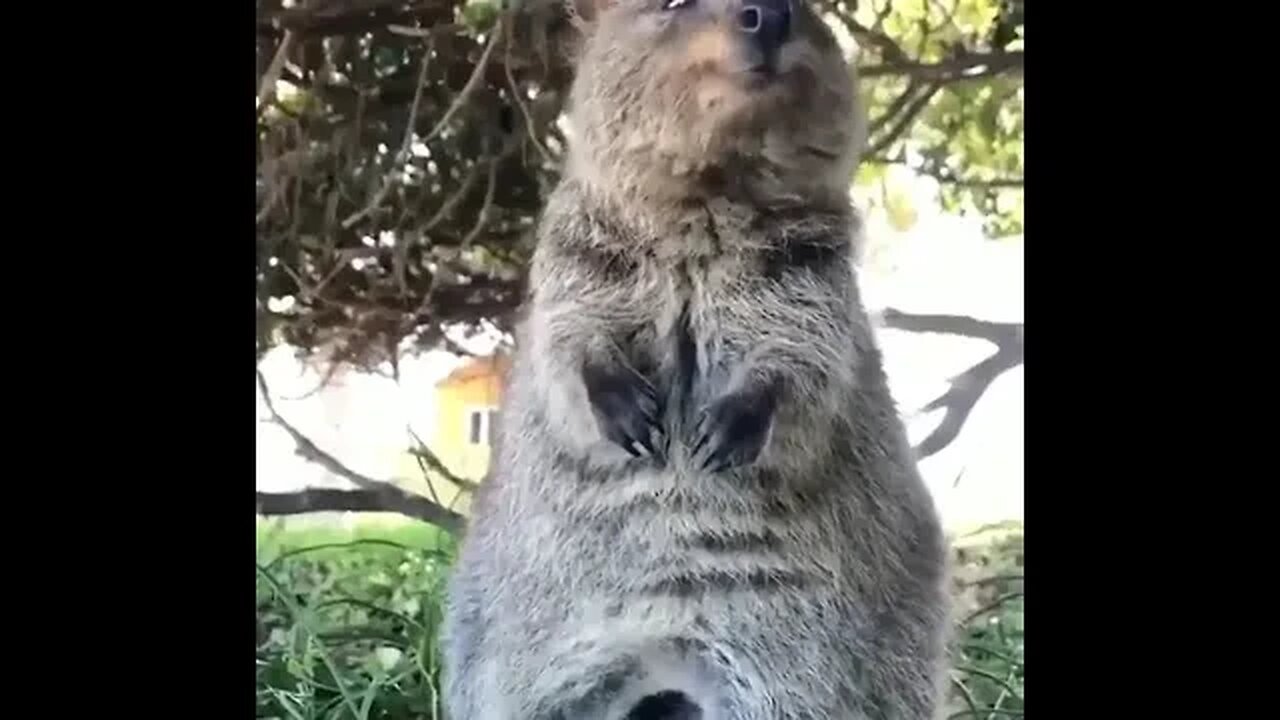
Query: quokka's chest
x=682, y=329
x=672, y=292
x=674, y=301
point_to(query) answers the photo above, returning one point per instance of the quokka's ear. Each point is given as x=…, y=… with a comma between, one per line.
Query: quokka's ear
x=585, y=13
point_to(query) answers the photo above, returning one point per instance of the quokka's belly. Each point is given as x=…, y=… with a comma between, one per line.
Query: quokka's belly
x=686, y=538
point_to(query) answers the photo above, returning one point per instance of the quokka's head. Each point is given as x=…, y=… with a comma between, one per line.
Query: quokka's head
x=688, y=97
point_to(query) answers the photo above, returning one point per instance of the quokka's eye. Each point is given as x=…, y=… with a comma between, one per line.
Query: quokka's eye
x=676, y=4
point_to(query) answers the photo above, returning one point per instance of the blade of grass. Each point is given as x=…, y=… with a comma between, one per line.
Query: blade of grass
x=283, y=700
x=964, y=691
x=356, y=602
x=298, y=616
x=992, y=677
x=370, y=695
x=334, y=545
x=993, y=605
x=972, y=647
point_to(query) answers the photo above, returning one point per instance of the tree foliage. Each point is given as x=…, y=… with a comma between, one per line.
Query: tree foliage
x=405, y=147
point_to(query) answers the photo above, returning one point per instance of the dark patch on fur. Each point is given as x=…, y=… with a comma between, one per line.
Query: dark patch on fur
x=712, y=231
x=625, y=405
x=800, y=255
x=687, y=645
x=736, y=542
x=612, y=266
x=723, y=581
x=732, y=431
x=686, y=356
x=798, y=502
x=666, y=705
x=611, y=681
x=767, y=480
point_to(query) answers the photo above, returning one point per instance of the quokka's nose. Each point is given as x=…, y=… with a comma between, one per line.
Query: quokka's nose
x=768, y=25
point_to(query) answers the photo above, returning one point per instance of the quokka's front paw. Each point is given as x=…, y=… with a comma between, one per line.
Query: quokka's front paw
x=625, y=406
x=732, y=430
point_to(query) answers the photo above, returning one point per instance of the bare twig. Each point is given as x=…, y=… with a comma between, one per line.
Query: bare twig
x=964, y=67
x=394, y=498
x=267, y=87
x=993, y=605
x=406, y=143
x=482, y=218
x=894, y=108
x=882, y=14
x=452, y=202
x=426, y=473
x=967, y=387
x=530, y=129
x=946, y=176
x=949, y=16
x=889, y=50
x=959, y=401
x=426, y=478
x=906, y=117
x=433, y=461
x=463, y=97
x=472, y=82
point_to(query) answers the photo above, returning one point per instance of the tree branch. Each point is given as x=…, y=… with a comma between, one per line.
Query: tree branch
x=341, y=17
x=889, y=50
x=904, y=120
x=267, y=86
x=947, y=177
x=530, y=131
x=994, y=332
x=463, y=97
x=473, y=82
x=964, y=67
x=393, y=498
x=388, y=499
x=433, y=461
x=968, y=387
x=406, y=144
x=482, y=217
x=894, y=108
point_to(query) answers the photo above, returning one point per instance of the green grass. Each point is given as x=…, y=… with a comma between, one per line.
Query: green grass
x=347, y=620
x=987, y=651
x=279, y=534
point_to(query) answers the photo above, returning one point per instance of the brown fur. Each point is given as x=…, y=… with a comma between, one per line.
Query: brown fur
x=693, y=277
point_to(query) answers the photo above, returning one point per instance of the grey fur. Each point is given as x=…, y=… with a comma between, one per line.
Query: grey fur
x=704, y=246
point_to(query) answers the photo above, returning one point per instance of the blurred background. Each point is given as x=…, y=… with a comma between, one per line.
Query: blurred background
x=404, y=150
